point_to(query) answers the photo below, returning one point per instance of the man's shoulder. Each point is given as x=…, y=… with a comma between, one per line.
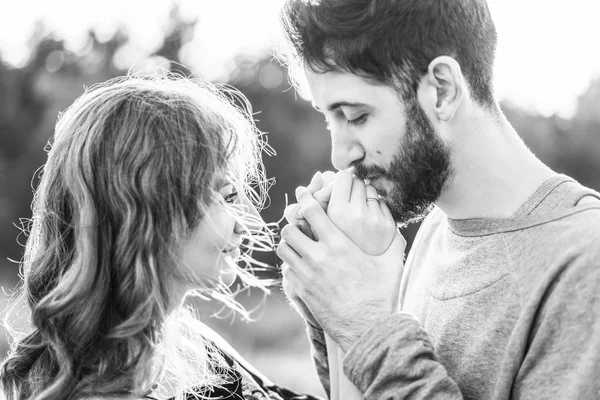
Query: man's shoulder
x=563, y=244
x=560, y=230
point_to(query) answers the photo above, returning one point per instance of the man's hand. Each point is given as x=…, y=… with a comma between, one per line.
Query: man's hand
x=345, y=288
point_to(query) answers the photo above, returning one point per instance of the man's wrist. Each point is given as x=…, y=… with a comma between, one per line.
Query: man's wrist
x=347, y=334
x=348, y=337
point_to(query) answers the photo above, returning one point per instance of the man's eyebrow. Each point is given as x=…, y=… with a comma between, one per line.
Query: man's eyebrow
x=334, y=106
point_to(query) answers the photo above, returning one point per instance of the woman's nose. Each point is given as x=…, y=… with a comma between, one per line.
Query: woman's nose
x=252, y=219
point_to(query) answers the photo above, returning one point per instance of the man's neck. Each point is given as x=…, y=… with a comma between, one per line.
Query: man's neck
x=494, y=172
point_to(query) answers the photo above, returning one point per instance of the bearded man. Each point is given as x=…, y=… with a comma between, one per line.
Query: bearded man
x=500, y=294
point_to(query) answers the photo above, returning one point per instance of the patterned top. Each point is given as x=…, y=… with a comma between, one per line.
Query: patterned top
x=246, y=382
x=249, y=384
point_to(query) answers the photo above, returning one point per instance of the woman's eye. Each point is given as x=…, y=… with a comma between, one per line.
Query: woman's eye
x=231, y=197
x=358, y=121
x=229, y=193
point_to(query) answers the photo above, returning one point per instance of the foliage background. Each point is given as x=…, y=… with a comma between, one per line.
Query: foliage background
x=32, y=95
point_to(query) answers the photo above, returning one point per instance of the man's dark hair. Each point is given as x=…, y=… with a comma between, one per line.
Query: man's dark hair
x=393, y=41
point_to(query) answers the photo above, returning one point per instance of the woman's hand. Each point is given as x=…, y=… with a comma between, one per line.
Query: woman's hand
x=320, y=186
x=353, y=207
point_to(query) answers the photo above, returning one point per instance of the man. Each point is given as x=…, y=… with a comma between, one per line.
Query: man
x=500, y=295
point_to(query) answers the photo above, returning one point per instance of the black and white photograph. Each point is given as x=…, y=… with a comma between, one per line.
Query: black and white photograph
x=299, y=200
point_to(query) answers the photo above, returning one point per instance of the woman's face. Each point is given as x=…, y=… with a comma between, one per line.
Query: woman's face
x=213, y=247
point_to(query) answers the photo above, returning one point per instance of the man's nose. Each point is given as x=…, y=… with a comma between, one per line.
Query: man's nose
x=345, y=149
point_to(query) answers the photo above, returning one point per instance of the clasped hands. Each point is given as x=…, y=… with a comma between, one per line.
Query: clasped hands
x=343, y=256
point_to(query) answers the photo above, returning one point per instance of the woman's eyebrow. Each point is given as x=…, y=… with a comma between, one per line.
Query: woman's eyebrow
x=221, y=182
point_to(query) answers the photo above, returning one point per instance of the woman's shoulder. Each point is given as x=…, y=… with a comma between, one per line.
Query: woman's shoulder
x=217, y=341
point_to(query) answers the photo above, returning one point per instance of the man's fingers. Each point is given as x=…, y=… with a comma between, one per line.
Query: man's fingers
x=288, y=254
x=284, y=270
x=291, y=249
x=290, y=282
x=306, y=229
x=396, y=248
x=340, y=195
x=371, y=191
x=372, y=197
x=314, y=214
x=285, y=273
x=297, y=240
x=294, y=217
x=291, y=285
x=358, y=193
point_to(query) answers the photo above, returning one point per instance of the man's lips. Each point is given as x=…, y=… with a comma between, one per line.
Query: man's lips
x=369, y=178
x=378, y=183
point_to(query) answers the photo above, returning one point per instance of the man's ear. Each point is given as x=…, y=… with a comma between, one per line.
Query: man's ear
x=445, y=75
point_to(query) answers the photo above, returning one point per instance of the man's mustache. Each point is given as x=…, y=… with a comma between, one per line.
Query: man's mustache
x=363, y=172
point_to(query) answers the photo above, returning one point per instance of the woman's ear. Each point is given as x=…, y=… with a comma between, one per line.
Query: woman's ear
x=445, y=76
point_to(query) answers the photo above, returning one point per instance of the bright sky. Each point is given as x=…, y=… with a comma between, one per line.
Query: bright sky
x=548, y=50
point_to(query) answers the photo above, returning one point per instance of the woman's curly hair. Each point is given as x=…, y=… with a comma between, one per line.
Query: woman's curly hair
x=130, y=172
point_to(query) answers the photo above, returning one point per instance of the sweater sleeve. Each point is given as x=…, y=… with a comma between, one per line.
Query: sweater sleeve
x=319, y=354
x=561, y=360
x=395, y=360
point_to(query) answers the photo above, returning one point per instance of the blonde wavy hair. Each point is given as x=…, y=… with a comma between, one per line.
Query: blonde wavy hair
x=130, y=173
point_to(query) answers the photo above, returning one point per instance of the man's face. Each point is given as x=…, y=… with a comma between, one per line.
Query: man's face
x=390, y=142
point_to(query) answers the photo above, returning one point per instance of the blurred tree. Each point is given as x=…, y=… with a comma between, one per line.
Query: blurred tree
x=588, y=104
x=30, y=100
x=583, y=157
x=569, y=146
x=32, y=96
x=21, y=112
x=179, y=32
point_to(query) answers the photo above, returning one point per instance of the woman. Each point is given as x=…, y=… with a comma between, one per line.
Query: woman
x=142, y=201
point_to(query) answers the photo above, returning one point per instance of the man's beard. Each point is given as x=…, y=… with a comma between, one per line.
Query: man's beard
x=419, y=170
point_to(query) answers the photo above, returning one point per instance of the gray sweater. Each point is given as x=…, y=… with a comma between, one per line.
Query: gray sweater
x=492, y=308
